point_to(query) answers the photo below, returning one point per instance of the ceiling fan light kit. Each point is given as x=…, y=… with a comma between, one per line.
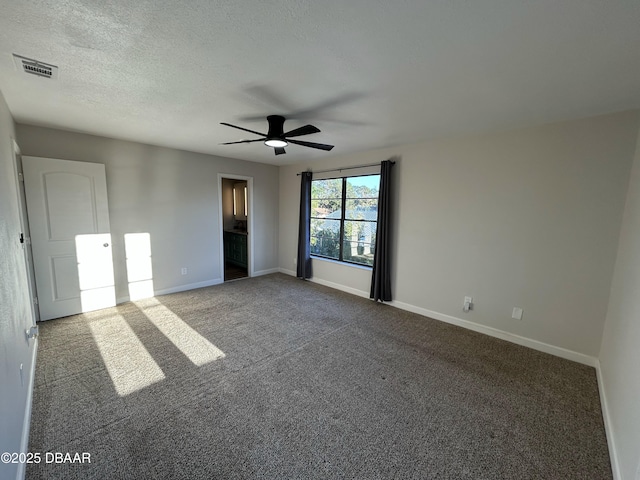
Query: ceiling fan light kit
x=278, y=139
x=275, y=142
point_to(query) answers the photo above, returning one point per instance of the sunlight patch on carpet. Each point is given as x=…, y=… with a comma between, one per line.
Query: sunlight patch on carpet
x=128, y=362
x=193, y=345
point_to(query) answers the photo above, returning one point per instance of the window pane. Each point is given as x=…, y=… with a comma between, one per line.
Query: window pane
x=326, y=208
x=363, y=187
x=362, y=209
x=331, y=188
x=325, y=237
x=362, y=197
x=359, y=242
x=326, y=198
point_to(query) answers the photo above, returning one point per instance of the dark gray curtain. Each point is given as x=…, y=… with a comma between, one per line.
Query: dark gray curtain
x=304, y=234
x=381, y=276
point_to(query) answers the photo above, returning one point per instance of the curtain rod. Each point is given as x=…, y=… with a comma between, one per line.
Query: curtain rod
x=347, y=168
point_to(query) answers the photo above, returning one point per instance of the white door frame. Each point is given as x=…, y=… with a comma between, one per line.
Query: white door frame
x=250, y=229
x=24, y=226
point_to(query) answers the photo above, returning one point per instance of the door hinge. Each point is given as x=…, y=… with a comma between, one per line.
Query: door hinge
x=33, y=332
x=20, y=176
x=35, y=300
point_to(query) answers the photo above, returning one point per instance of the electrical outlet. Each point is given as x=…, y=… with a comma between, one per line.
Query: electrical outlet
x=517, y=313
x=183, y=270
x=468, y=304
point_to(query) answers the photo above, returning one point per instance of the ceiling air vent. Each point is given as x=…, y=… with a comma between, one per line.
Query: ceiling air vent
x=34, y=67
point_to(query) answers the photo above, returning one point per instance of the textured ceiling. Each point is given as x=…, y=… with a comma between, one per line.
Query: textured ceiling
x=368, y=73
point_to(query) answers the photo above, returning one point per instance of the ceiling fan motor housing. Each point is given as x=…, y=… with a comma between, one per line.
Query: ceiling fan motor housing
x=276, y=127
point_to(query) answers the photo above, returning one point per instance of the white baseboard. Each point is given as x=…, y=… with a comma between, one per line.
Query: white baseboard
x=501, y=334
x=26, y=423
x=492, y=332
x=192, y=286
x=608, y=425
x=179, y=288
x=189, y=286
x=259, y=273
x=327, y=283
x=353, y=291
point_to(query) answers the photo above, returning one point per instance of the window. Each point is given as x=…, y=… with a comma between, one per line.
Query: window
x=344, y=212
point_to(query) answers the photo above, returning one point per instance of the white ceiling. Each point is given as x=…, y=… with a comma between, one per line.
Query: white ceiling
x=369, y=74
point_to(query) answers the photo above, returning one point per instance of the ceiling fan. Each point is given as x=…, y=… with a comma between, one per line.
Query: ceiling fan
x=278, y=139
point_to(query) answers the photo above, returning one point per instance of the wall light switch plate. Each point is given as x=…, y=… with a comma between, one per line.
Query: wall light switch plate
x=517, y=313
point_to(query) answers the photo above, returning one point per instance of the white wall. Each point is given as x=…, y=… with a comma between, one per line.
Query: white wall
x=620, y=352
x=15, y=308
x=172, y=195
x=526, y=218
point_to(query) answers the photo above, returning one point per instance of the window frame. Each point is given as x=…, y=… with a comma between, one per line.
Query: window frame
x=343, y=219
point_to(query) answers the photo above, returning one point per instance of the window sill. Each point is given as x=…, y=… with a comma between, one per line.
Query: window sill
x=338, y=262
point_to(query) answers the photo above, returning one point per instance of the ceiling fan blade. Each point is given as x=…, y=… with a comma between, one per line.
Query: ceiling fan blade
x=306, y=130
x=245, y=129
x=243, y=141
x=320, y=146
x=279, y=151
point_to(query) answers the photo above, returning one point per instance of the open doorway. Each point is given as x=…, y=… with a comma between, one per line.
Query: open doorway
x=235, y=192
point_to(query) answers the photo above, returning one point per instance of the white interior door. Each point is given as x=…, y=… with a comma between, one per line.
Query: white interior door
x=26, y=234
x=71, y=242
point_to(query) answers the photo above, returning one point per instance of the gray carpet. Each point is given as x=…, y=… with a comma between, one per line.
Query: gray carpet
x=289, y=379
